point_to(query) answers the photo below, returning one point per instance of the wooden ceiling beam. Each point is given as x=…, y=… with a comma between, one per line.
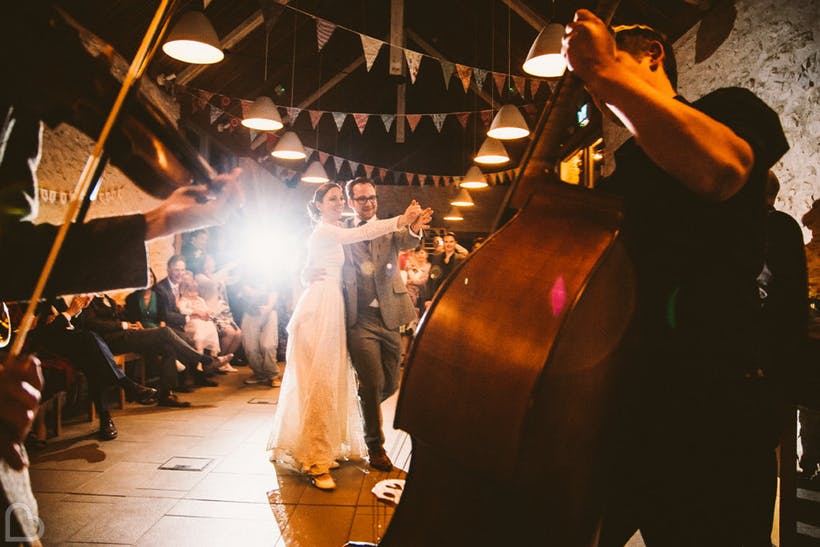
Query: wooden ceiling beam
x=486, y=97
x=230, y=40
x=532, y=17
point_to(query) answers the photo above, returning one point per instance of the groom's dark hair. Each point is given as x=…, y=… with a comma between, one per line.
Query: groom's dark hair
x=353, y=182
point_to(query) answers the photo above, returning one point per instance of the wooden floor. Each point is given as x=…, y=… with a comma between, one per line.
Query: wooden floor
x=116, y=493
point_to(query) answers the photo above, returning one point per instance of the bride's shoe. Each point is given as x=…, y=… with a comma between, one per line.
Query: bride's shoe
x=323, y=481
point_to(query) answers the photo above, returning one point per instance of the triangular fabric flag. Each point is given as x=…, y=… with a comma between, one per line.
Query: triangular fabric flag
x=413, y=121
x=354, y=165
x=368, y=170
x=464, y=74
x=491, y=177
x=323, y=157
x=382, y=173
x=338, y=162
x=293, y=113
x=387, y=120
x=486, y=116
x=253, y=133
x=423, y=179
x=436, y=180
x=520, y=84
x=371, y=47
x=551, y=85
x=534, y=85
x=462, y=118
x=448, y=180
x=339, y=118
x=479, y=74
x=438, y=120
x=414, y=178
x=215, y=113
x=205, y=95
x=447, y=71
x=315, y=116
x=245, y=106
x=361, y=121
x=499, y=78
x=323, y=31
x=413, y=61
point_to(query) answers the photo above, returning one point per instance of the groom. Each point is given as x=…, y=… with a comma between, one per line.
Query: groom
x=377, y=303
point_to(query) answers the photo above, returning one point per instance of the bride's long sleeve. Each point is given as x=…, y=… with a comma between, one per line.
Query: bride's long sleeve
x=366, y=232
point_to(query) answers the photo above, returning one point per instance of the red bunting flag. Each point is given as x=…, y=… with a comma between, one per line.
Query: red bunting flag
x=315, y=116
x=462, y=119
x=413, y=121
x=361, y=121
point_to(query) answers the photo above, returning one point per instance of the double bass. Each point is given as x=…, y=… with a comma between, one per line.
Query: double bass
x=516, y=366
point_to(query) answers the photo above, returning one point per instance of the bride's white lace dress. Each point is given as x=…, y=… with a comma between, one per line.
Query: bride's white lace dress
x=318, y=418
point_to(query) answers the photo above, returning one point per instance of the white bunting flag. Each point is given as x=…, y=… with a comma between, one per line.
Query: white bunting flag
x=371, y=47
x=387, y=120
x=368, y=170
x=413, y=61
x=354, y=165
x=323, y=31
x=293, y=113
x=480, y=75
x=338, y=162
x=339, y=118
x=438, y=120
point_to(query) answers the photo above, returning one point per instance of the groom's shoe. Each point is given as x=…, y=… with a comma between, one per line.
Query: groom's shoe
x=380, y=461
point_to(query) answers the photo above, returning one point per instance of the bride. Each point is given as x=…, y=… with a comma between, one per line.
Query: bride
x=318, y=419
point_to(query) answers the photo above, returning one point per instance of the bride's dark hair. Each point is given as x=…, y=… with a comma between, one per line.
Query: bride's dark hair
x=318, y=196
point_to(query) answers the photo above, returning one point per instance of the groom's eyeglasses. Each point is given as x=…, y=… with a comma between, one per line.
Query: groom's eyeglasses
x=361, y=200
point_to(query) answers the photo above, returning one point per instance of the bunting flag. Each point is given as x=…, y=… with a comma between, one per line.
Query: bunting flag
x=323, y=157
x=338, y=163
x=370, y=47
x=361, y=121
x=413, y=121
x=323, y=31
x=315, y=116
x=413, y=61
x=382, y=173
x=293, y=113
x=486, y=117
x=354, y=165
x=436, y=180
x=462, y=119
x=491, y=178
x=520, y=84
x=534, y=85
x=368, y=170
x=423, y=179
x=447, y=71
x=215, y=113
x=253, y=133
x=387, y=120
x=339, y=118
x=499, y=79
x=438, y=120
x=464, y=74
x=480, y=75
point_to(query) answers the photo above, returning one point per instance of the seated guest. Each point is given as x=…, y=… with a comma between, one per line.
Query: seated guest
x=212, y=288
x=199, y=328
x=141, y=306
x=167, y=290
x=104, y=318
x=88, y=352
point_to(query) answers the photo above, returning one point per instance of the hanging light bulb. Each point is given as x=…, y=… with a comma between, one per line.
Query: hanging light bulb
x=492, y=152
x=508, y=124
x=315, y=173
x=194, y=40
x=474, y=179
x=289, y=147
x=544, y=58
x=454, y=214
x=463, y=199
x=263, y=115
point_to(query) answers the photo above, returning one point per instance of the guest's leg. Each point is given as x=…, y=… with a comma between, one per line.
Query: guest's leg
x=269, y=342
x=251, y=326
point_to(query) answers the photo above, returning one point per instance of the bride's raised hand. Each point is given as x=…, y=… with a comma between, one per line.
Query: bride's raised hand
x=410, y=214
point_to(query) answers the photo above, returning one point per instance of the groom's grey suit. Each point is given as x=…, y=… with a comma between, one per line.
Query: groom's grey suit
x=371, y=273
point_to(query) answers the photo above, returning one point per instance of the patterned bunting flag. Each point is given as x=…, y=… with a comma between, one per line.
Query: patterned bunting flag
x=520, y=84
x=339, y=118
x=499, y=78
x=315, y=116
x=387, y=120
x=413, y=61
x=447, y=71
x=462, y=118
x=215, y=113
x=371, y=47
x=361, y=121
x=413, y=121
x=480, y=75
x=293, y=113
x=323, y=31
x=438, y=120
x=464, y=74
x=368, y=170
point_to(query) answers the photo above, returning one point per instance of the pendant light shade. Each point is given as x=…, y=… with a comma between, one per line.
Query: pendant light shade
x=544, y=58
x=315, y=173
x=454, y=214
x=492, y=152
x=289, y=147
x=508, y=124
x=462, y=199
x=263, y=115
x=474, y=179
x=194, y=40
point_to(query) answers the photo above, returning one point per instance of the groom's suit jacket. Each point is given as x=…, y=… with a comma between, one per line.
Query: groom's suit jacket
x=394, y=302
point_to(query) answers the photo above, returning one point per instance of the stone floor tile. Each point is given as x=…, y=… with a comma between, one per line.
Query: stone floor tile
x=318, y=526
x=206, y=532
